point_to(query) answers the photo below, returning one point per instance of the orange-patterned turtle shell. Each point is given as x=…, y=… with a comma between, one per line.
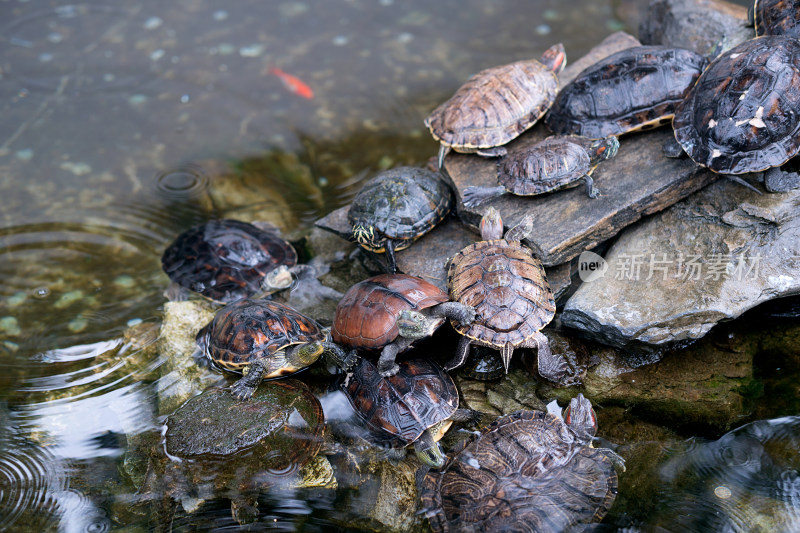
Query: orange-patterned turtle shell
x=366, y=316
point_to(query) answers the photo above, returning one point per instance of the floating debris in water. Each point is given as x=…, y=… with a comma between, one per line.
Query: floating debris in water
x=405, y=37
x=10, y=326
x=125, y=281
x=77, y=325
x=68, y=298
x=157, y=54
x=41, y=292
x=722, y=492
x=340, y=40
x=16, y=299
x=543, y=29
x=185, y=99
x=253, y=50
x=79, y=169
x=55, y=37
x=45, y=57
x=226, y=49
x=137, y=99
x=25, y=154
x=152, y=23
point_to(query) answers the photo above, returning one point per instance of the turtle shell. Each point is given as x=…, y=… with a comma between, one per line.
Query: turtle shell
x=634, y=89
x=494, y=106
x=366, y=316
x=551, y=164
x=250, y=329
x=403, y=204
x=507, y=287
x=743, y=113
x=777, y=17
x=524, y=472
x=225, y=259
x=397, y=409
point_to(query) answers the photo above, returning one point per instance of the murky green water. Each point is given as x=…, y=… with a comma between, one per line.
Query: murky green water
x=123, y=123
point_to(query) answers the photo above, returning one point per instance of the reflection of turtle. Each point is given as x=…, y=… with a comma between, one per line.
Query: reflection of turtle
x=497, y=104
x=512, y=299
x=633, y=89
x=557, y=162
x=397, y=207
x=389, y=312
x=232, y=450
x=527, y=471
x=416, y=405
x=228, y=259
x=775, y=17
x=262, y=339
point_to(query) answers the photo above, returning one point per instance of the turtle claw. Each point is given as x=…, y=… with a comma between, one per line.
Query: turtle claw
x=242, y=391
x=387, y=370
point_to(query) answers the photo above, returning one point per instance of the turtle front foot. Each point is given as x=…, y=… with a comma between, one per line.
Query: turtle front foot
x=242, y=391
x=388, y=370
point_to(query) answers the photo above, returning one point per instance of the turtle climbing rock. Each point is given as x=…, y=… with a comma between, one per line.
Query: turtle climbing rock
x=507, y=286
x=397, y=207
x=527, y=471
x=496, y=105
x=557, y=162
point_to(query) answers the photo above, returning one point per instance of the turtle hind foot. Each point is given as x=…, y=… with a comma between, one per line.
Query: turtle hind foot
x=474, y=196
x=242, y=391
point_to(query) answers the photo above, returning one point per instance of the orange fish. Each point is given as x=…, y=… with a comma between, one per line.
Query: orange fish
x=293, y=83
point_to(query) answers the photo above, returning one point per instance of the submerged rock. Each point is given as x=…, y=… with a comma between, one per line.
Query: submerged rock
x=709, y=258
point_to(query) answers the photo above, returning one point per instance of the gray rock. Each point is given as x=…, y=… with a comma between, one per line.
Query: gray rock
x=706, y=259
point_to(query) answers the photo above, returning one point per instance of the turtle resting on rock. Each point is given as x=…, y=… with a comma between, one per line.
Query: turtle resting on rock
x=528, y=471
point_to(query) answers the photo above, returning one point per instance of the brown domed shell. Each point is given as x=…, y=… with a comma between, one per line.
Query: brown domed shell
x=366, y=317
x=551, y=164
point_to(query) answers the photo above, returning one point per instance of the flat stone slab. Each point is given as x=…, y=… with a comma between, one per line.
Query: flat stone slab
x=639, y=181
x=709, y=258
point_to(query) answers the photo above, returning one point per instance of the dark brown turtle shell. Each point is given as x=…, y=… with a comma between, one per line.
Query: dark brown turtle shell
x=777, y=17
x=508, y=289
x=225, y=259
x=250, y=329
x=397, y=409
x=743, y=115
x=523, y=472
x=549, y=165
x=495, y=105
x=634, y=89
x=366, y=316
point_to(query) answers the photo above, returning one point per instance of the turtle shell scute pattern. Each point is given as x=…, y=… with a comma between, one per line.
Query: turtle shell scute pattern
x=494, y=106
x=633, y=89
x=366, y=316
x=549, y=165
x=507, y=287
x=225, y=259
x=397, y=409
x=524, y=472
x=743, y=115
x=403, y=203
x=777, y=17
x=250, y=329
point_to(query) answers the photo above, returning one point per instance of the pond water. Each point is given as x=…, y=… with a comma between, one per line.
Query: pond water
x=116, y=117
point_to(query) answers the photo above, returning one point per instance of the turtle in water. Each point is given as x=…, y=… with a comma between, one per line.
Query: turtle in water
x=262, y=339
x=397, y=207
x=507, y=286
x=775, y=17
x=633, y=89
x=743, y=114
x=416, y=405
x=226, y=260
x=496, y=105
x=557, y=162
x=389, y=312
x=527, y=471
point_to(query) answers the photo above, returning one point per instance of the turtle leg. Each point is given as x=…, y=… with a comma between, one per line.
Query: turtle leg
x=477, y=195
x=391, y=263
x=497, y=151
x=778, y=180
x=247, y=385
x=386, y=363
x=521, y=230
x=672, y=148
x=462, y=314
x=591, y=190
x=619, y=462
x=462, y=351
x=428, y=450
x=551, y=366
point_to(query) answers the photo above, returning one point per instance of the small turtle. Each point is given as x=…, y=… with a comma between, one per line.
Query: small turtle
x=775, y=17
x=743, y=114
x=633, y=89
x=557, y=162
x=512, y=299
x=416, y=405
x=262, y=339
x=483, y=365
x=496, y=105
x=397, y=207
x=228, y=259
x=389, y=312
x=527, y=471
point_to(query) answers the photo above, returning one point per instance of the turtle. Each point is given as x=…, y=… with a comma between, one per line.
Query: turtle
x=743, y=114
x=633, y=89
x=397, y=207
x=557, y=162
x=483, y=364
x=226, y=259
x=389, y=312
x=527, y=471
x=496, y=105
x=775, y=17
x=506, y=284
x=262, y=339
x=416, y=405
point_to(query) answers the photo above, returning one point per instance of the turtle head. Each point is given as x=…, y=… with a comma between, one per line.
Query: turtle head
x=427, y=448
x=365, y=235
x=303, y=355
x=555, y=58
x=415, y=325
x=278, y=279
x=580, y=417
x=604, y=149
x=336, y=356
x=491, y=225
